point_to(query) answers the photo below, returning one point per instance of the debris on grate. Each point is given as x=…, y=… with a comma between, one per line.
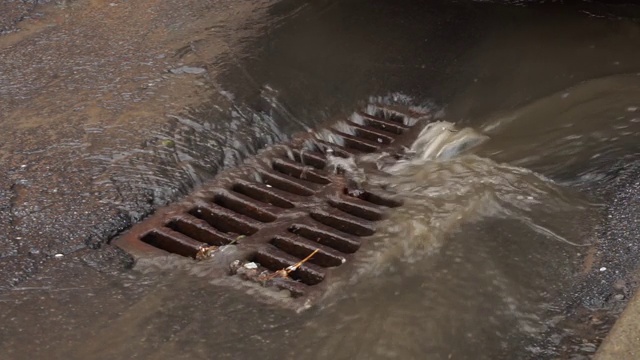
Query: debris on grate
x=291, y=219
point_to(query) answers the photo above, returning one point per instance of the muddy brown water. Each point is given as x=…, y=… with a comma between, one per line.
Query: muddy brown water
x=520, y=247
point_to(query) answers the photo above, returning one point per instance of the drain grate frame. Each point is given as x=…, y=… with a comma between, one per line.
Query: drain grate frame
x=283, y=204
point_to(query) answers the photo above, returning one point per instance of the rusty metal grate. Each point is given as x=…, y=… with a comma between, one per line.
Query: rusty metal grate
x=282, y=205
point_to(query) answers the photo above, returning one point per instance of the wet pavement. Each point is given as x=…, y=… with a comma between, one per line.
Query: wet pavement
x=98, y=131
x=89, y=109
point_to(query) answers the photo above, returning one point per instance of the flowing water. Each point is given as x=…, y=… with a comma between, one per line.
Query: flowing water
x=481, y=261
x=514, y=200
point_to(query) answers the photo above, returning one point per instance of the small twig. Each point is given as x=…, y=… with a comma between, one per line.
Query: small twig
x=295, y=266
x=206, y=252
x=236, y=239
x=283, y=273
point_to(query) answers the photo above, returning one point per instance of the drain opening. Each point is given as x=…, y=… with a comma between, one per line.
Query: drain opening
x=343, y=223
x=334, y=149
x=301, y=248
x=290, y=189
x=274, y=259
x=374, y=198
x=312, y=158
x=344, y=244
x=244, y=208
x=223, y=222
x=358, y=210
x=262, y=195
x=200, y=232
x=390, y=115
x=379, y=124
x=284, y=184
x=172, y=242
x=299, y=171
x=355, y=143
x=371, y=135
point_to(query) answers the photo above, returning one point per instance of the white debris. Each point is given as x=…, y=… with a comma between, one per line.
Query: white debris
x=603, y=269
x=250, y=265
x=58, y=256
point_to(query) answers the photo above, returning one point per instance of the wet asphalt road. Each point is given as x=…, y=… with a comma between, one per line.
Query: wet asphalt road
x=85, y=124
x=71, y=184
x=13, y=12
x=75, y=182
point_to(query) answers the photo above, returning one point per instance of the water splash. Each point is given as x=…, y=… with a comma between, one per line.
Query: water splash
x=444, y=185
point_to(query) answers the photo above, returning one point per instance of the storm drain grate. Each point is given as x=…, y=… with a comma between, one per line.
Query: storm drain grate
x=282, y=206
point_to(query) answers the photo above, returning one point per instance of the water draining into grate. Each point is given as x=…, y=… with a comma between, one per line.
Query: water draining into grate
x=289, y=217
